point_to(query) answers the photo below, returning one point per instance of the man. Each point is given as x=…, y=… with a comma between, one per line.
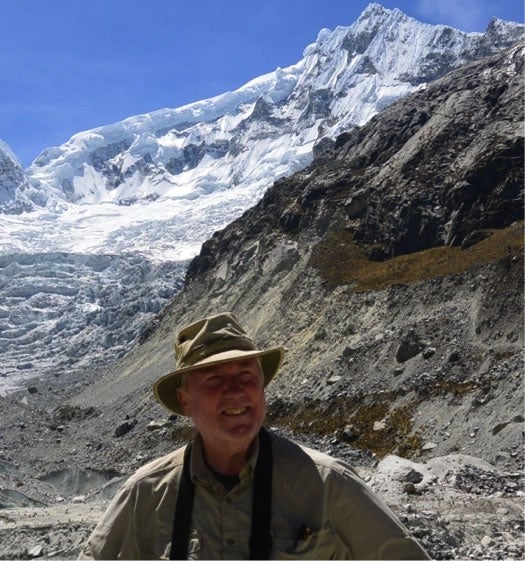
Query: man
x=237, y=491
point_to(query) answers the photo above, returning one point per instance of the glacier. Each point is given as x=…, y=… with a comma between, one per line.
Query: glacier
x=62, y=311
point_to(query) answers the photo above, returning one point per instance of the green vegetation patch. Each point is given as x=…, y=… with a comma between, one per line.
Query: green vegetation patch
x=385, y=431
x=339, y=260
x=368, y=424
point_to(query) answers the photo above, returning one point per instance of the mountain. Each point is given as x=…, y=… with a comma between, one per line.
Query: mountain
x=17, y=193
x=136, y=185
x=151, y=189
x=378, y=324
x=391, y=269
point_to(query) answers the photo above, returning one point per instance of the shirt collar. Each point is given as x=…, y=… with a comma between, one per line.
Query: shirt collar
x=201, y=473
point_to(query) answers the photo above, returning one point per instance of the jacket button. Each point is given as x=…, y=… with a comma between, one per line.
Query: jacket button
x=230, y=541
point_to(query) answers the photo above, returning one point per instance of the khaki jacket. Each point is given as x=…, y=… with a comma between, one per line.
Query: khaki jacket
x=345, y=520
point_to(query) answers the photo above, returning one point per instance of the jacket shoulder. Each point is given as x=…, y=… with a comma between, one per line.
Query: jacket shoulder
x=290, y=452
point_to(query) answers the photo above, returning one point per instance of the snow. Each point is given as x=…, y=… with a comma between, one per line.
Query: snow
x=152, y=173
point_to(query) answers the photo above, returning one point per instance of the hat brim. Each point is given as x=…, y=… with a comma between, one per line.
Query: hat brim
x=165, y=389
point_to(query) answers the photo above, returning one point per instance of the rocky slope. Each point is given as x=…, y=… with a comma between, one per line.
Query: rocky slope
x=392, y=270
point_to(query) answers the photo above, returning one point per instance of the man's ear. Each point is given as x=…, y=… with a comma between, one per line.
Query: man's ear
x=183, y=401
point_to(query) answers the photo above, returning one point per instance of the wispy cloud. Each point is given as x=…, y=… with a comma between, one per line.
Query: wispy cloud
x=467, y=15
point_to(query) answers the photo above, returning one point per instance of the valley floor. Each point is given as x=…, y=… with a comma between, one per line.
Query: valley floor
x=451, y=525
x=458, y=506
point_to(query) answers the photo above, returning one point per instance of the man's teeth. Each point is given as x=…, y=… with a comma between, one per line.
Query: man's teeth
x=238, y=411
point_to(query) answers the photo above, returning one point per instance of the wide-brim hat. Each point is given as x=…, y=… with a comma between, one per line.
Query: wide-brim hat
x=213, y=340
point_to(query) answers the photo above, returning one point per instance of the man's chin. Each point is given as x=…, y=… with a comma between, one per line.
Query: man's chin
x=240, y=430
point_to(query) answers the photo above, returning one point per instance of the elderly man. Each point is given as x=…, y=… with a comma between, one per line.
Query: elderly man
x=237, y=491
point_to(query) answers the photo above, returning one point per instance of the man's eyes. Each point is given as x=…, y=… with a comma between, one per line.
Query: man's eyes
x=213, y=381
x=245, y=377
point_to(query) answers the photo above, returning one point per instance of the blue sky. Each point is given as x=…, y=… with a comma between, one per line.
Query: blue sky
x=72, y=65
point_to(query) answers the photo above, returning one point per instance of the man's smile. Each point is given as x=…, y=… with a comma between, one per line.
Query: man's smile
x=235, y=411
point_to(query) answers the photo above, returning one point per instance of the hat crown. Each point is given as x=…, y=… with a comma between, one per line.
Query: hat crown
x=210, y=336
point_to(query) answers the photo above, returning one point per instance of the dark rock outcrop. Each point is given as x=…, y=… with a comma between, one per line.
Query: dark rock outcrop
x=428, y=171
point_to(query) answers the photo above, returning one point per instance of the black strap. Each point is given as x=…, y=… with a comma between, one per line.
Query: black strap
x=180, y=536
x=260, y=538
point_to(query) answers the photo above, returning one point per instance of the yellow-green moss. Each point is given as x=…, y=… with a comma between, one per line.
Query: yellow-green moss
x=340, y=260
x=316, y=417
x=330, y=419
x=396, y=436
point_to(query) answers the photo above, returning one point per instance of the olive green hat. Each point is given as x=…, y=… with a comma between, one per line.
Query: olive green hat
x=212, y=340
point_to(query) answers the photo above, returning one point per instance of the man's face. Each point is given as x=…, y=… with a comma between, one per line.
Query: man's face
x=226, y=402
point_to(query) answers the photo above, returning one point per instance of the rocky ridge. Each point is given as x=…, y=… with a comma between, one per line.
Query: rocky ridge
x=404, y=359
x=440, y=167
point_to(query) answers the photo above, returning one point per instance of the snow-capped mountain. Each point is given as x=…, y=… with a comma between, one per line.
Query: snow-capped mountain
x=138, y=184
x=17, y=194
x=145, y=193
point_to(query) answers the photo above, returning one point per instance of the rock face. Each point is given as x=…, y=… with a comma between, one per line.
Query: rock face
x=433, y=169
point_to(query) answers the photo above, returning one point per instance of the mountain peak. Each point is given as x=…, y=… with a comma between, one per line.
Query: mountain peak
x=208, y=161
x=373, y=17
x=499, y=31
x=17, y=192
x=374, y=9
x=375, y=12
